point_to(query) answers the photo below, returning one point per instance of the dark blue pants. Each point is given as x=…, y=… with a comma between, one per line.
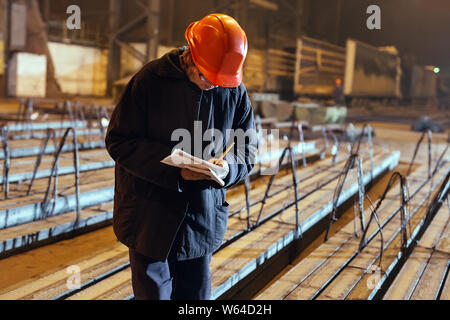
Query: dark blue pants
x=171, y=279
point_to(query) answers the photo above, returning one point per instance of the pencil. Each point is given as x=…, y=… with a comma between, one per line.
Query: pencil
x=228, y=150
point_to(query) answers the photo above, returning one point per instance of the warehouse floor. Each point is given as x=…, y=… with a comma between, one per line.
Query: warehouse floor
x=46, y=260
x=374, y=192
x=32, y=271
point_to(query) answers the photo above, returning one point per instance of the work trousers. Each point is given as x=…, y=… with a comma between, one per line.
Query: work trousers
x=171, y=279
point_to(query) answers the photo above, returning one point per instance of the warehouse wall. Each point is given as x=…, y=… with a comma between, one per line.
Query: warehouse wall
x=80, y=70
x=129, y=64
x=415, y=27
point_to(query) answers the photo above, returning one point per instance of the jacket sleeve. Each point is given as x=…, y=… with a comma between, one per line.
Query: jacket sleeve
x=129, y=146
x=242, y=160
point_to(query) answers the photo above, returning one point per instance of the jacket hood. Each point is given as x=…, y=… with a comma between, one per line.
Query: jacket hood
x=169, y=65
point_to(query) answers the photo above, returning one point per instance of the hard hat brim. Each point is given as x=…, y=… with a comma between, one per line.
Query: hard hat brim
x=226, y=81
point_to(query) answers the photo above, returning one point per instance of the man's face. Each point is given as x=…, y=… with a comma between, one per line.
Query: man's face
x=198, y=78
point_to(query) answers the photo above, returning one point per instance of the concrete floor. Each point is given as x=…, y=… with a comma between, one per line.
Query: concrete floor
x=51, y=258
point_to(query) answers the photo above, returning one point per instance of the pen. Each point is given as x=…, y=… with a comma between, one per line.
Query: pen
x=228, y=150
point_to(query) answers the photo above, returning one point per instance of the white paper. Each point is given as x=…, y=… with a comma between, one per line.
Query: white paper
x=181, y=159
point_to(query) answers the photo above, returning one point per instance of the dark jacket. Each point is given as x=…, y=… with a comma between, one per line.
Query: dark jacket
x=151, y=201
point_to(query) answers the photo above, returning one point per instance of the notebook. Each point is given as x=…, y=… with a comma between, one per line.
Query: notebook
x=181, y=159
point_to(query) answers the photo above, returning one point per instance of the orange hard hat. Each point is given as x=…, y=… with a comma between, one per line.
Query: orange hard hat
x=218, y=47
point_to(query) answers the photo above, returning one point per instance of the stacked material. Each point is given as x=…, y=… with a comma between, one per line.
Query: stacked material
x=343, y=268
x=425, y=275
x=44, y=203
x=107, y=276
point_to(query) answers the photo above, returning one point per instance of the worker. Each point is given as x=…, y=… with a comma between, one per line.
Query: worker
x=173, y=219
x=338, y=93
x=443, y=93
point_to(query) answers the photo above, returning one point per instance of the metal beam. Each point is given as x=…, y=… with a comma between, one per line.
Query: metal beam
x=33, y=212
x=265, y=4
x=130, y=25
x=52, y=232
x=141, y=4
x=141, y=57
x=85, y=167
x=35, y=150
x=153, y=28
x=114, y=50
x=171, y=21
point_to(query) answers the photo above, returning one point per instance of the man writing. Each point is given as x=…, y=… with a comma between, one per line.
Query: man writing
x=173, y=219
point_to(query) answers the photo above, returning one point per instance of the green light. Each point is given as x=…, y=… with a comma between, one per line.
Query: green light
x=436, y=70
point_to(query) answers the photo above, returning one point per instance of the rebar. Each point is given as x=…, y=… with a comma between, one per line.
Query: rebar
x=102, y=113
x=24, y=114
x=297, y=200
x=302, y=143
x=337, y=192
x=440, y=159
x=416, y=151
x=269, y=185
x=335, y=148
x=325, y=143
x=7, y=159
x=50, y=134
x=247, y=199
x=361, y=191
x=404, y=199
x=54, y=173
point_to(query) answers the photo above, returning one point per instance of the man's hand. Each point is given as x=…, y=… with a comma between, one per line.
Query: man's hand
x=217, y=162
x=221, y=163
x=187, y=174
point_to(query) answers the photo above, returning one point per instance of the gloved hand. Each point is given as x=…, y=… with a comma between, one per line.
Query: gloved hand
x=221, y=163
